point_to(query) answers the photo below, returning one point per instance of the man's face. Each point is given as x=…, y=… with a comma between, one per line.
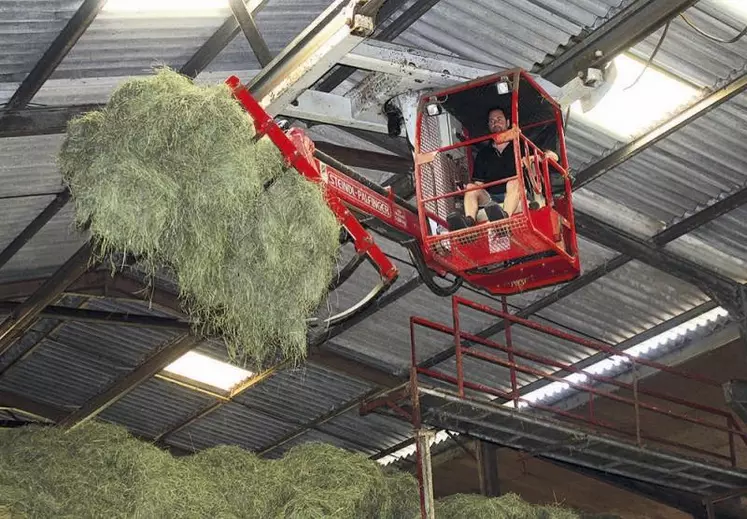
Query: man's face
x=497, y=121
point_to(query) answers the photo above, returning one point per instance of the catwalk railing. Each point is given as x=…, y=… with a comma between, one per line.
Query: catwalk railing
x=508, y=356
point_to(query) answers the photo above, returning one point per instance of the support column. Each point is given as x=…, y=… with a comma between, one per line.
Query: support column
x=423, y=439
x=487, y=466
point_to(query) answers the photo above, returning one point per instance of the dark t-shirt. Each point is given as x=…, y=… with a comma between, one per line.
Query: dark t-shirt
x=491, y=165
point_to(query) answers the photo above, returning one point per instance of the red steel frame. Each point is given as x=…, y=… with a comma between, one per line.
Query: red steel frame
x=732, y=427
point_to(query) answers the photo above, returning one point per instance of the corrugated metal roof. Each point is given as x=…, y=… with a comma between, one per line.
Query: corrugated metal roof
x=624, y=303
x=279, y=22
x=27, y=166
x=38, y=331
x=374, y=431
x=507, y=33
x=155, y=407
x=60, y=375
x=28, y=28
x=692, y=57
x=46, y=251
x=231, y=424
x=687, y=170
x=303, y=394
x=720, y=245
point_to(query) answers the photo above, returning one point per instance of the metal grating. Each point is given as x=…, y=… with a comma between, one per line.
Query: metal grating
x=556, y=440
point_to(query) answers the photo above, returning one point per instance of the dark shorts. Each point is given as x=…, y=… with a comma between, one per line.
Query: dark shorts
x=497, y=197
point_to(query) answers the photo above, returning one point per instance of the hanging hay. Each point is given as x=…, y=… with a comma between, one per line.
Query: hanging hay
x=167, y=171
x=509, y=506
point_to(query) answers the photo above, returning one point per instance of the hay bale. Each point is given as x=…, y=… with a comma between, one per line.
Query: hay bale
x=509, y=506
x=168, y=171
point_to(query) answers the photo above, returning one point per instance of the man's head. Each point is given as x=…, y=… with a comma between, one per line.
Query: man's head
x=497, y=120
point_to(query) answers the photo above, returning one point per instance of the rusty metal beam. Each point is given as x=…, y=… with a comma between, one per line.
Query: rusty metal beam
x=165, y=356
x=24, y=316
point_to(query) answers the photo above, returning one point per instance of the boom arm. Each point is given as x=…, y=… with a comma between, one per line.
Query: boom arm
x=340, y=191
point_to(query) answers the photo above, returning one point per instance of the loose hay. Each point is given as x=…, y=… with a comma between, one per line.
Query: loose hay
x=98, y=470
x=168, y=172
x=509, y=506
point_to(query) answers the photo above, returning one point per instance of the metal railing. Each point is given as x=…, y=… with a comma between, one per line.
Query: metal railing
x=507, y=356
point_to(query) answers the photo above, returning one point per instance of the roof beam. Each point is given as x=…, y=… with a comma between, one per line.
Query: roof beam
x=679, y=121
x=34, y=227
x=24, y=316
x=63, y=313
x=218, y=41
x=394, y=29
x=33, y=121
x=702, y=217
x=310, y=55
x=155, y=363
x=720, y=288
x=26, y=405
x=65, y=40
x=321, y=107
x=366, y=159
x=245, y=20
x=592, y=49
x=90, y=283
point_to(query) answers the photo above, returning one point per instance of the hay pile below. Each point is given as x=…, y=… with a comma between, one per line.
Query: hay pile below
x=168, y=172
x=509, y=506
x=98, y=470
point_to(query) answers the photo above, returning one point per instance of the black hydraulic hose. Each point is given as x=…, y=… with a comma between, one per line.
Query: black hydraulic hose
x=426, y=274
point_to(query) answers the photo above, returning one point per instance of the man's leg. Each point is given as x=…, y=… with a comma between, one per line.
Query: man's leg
x=473, y=200
x=513, y=197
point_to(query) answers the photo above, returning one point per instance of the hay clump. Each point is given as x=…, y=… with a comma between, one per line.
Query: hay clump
x=325, y=481
x=46, y=473
x=509, y=506
x=168, y=171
